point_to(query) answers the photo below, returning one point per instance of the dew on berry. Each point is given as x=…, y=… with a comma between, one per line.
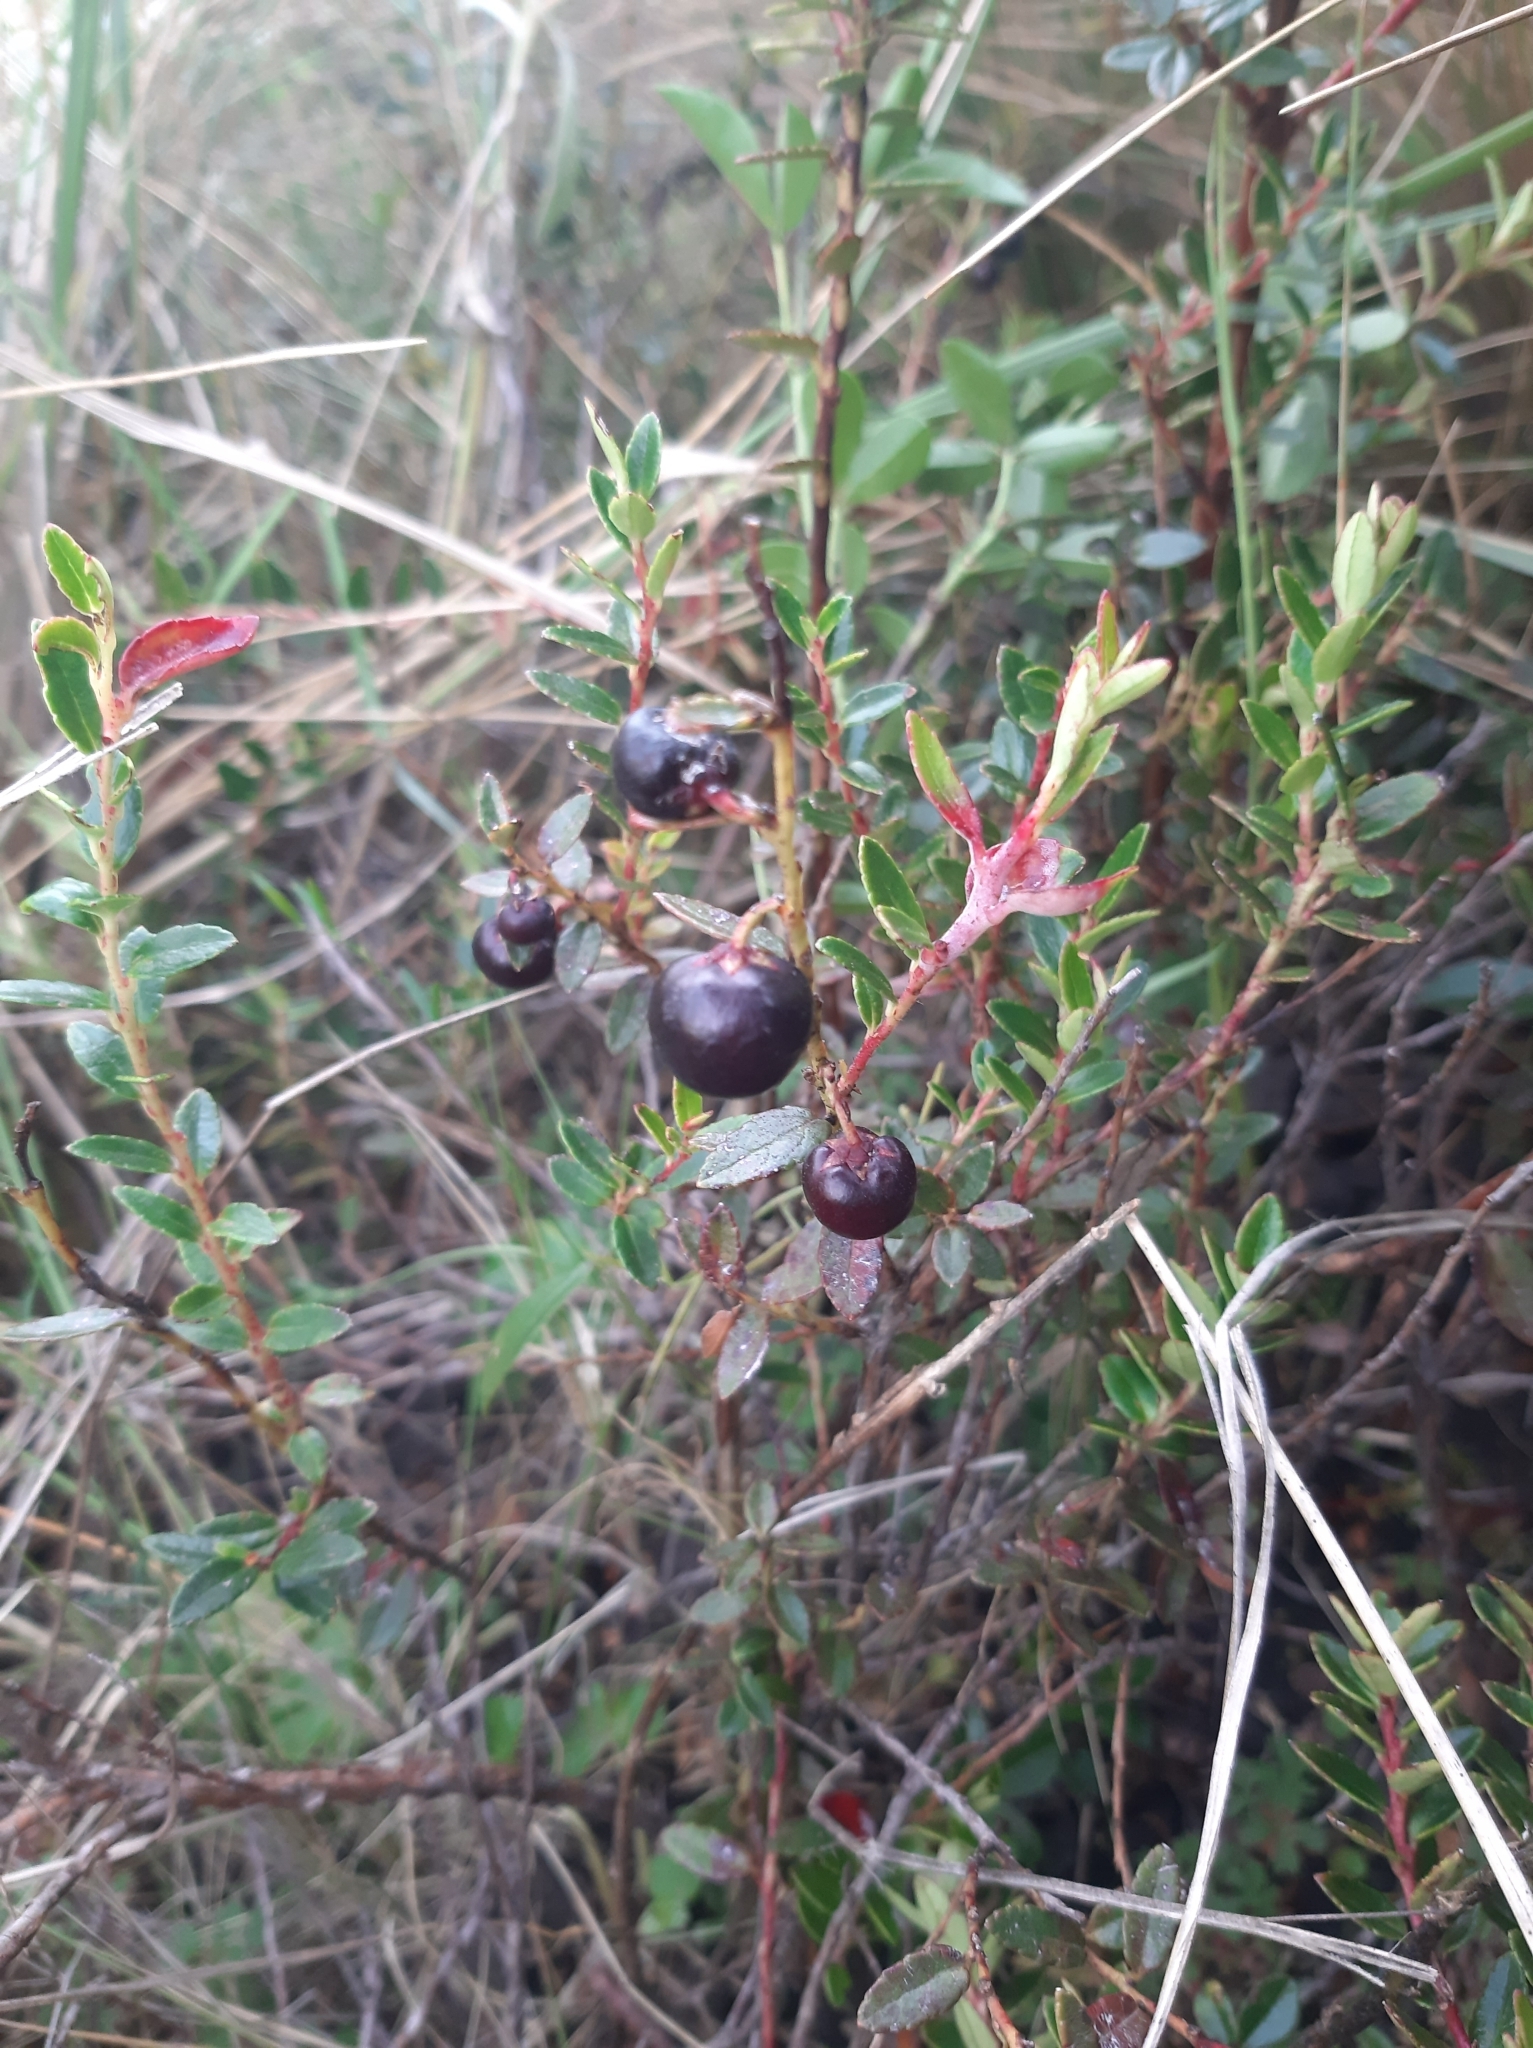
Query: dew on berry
x=511, y=965
x=860, y=1186
x=663, y=771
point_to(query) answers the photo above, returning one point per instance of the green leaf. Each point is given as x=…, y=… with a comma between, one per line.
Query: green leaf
x=584, y=1189
x=199, y=1123
x=1355, y=566
x=1389, y=805
x=71, y=995
x=797, y=178
x=194, y=1304
x=68, y=900
x=589, y=641
x=637, y=1249
x=1272, y=2017
x=892, y=453
x=246, y=1227
x=104, y=1057
x=315, y=1554
x=590, y=1150
x=1508, y=1615
x=952, y=1252
x=303, y=1324
x=758, y=1146
x=851, y=957
x=161, y=1213
x=75, y=1322
x=666, y=557
x=1295, y=600
x=1147, y=1942
x=183, y=1549
x=1337, y=651
x=1075, y=983
x=726, y=135
x=603, y=492
x=70, y=694
x=936, y=773
x=642, y=456
x=589, y=700
x=980, y=390
x=73, y=570
x=744, y=1349
x=335, y=1390
x=1131, y=1387
x=520, y=1327
x=915, y=1992
x=874, y=701
x=1037, y=1936
x=310, y=1455
x=157, y=955
x=211, y=1588
x=1070, y=446
x=1274, y=735
x=1262, y=1230
x=893, y=900
x=1345, y=1775
x=127, y=1155
x=792, y=617
x=66, y=632
x=1511, y=1699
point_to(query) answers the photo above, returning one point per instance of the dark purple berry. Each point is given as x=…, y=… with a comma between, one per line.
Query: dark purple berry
x=526, y=920
x=664, y=771
x=731, y=1023
x=511, y=966
x=860, y=1186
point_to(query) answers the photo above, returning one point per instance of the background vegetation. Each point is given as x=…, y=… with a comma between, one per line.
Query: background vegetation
x=549, y=1762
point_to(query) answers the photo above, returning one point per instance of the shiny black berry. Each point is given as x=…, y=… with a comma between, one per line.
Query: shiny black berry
x=731, y=1023
x=512, y=966
x=664, y=771
x=526, y=920
x=860, y=1186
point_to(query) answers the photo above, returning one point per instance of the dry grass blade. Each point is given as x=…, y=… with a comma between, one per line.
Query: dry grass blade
x=1463, y=35
x=256, y=359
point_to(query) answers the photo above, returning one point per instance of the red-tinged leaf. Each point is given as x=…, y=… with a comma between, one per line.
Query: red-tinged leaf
x=850, y=1268
x=799, y=1274
x=848, y=1812
x=941, y=780
x=1118, y=2022
x=177, y=646
x=718, y=1252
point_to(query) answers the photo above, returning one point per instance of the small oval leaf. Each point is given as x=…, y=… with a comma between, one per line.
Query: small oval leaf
x=744, y=1349
x=916, y=1991
x=177, y=646
x=850, y=1268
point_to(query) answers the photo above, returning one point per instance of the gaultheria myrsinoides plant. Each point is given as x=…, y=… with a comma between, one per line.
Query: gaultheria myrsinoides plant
x=219, y=1317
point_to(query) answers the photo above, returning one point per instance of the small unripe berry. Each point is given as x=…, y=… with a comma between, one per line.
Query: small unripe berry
x=511, y=966
x=664, y=771
x=731, y=1022
x=860, y=1186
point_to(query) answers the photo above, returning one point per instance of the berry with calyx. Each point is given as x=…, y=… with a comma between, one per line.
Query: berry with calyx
x=524, y=920
x=731, y=1022
x=510, y=964
x=860, y=1186
x=664, y=771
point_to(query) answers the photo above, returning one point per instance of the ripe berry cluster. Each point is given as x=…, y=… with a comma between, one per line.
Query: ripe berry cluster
x=515, y=947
